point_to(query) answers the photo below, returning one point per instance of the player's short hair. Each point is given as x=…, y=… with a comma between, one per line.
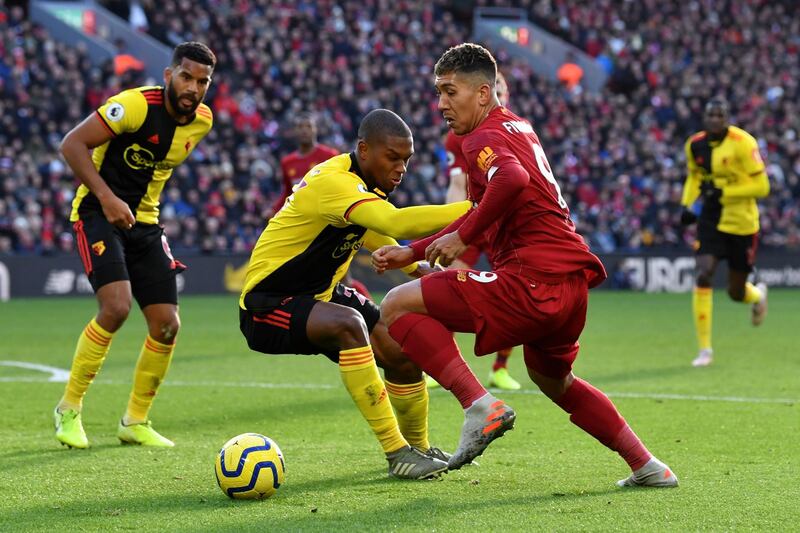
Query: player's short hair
x=305, y=115
x=468, y=58
x=382, y=123
x=194, y=51
x=717, y=103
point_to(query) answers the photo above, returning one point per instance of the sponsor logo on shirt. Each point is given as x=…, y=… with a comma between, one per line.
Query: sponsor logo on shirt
x=485, y=158
x=351, y=243
x=139, y=158
x=99, y=247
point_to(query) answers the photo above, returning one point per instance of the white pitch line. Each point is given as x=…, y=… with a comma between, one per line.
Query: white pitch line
x=56, y=374
x=327, y=386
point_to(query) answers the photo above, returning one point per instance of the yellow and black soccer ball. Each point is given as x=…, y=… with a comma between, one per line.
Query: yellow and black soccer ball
x=250, y=467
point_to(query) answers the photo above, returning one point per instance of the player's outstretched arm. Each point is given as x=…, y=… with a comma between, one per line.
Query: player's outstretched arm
x=375, y=242
x=408, y=222
x=391, y=258
x=75, y=147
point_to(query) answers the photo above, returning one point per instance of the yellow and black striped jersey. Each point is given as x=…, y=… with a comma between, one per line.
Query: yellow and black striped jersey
x=308, y=245
x=146, y=144
x=735, y=166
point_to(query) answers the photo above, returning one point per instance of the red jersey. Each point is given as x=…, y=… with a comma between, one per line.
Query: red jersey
x=294, y=166
x=455, y=157
x=519, y=204
x=457, y=163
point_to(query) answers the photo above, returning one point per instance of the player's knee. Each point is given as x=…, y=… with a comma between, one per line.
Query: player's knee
x=703, y=278
x=349, y=328
x=169, y=327
x=115, y=311
x=553, y=388
x=736, y=293
x=392, y=306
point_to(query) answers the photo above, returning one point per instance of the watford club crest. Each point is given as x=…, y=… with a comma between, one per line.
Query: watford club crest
x=99, y=247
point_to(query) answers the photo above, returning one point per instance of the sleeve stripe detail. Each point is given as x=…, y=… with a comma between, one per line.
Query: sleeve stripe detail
x=105, y=124
x=350, y=209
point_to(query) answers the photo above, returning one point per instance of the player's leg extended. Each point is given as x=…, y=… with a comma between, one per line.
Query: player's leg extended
x=593, y=412
x=155, y=356
x=428, y=343
x=702, y=307
x=114, y=302
x=407, y=392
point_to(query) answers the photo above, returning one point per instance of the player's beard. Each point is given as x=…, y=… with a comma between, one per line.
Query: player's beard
x=172, y=94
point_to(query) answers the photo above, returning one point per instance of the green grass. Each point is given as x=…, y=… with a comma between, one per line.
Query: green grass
x=737, y=460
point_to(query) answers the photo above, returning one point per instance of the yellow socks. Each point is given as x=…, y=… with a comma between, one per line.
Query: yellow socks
x=410, y=402
x=361, y=379
x=751, y=294
x=90, y=353
x=702, y=306
x=150, y=371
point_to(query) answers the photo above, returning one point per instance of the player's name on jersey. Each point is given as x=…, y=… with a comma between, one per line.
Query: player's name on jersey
x=518, y=126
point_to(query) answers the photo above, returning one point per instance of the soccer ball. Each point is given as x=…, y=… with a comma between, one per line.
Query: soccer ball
x=250, y=467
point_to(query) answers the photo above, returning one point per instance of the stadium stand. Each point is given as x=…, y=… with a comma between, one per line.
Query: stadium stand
x=618, y=154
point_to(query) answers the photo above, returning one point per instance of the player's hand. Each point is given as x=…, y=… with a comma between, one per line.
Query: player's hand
x=423, y=269
x=118, y=213
x=709, y=192
x=687, y=217
x=391, y=257
x=445, y=249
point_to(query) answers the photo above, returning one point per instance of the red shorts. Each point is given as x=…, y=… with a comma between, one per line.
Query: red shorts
x=505, y=309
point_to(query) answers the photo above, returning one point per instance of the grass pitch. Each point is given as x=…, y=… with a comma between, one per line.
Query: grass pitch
x=731, y=432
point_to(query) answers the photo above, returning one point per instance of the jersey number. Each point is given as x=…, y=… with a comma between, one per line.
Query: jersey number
x=483, y=277
x=544, y=168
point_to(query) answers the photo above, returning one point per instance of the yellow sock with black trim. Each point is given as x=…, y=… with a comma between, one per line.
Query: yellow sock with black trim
x=361, y=379
x=410, y=403
x=751, y=294
x=702, y=306
x=90, y=352
x=150, y=371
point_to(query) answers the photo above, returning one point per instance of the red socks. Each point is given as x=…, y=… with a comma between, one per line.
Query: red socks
x=593, y=412
x=501, y=361
x=432, y=347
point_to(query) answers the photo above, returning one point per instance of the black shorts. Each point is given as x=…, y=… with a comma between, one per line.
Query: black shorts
x=738, y=250
x=140, y=255
x=277, y=324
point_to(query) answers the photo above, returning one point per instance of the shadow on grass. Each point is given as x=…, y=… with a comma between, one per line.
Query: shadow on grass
x=396, y=504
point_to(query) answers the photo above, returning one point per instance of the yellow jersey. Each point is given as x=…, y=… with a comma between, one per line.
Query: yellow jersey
x=308, y=245
x=146, y=144
x=735, y=166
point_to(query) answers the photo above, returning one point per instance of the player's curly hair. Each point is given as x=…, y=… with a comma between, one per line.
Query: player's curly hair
x=468, y=58
x=194, y=51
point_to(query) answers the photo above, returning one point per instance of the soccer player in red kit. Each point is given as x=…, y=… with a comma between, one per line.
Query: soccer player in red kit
x=542, y=269
x=457, y=191
x=309, y=154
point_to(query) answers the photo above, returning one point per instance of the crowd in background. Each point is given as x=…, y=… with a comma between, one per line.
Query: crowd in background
x=618, y=154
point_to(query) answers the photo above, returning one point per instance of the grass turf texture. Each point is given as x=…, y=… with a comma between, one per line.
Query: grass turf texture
x=736, y=460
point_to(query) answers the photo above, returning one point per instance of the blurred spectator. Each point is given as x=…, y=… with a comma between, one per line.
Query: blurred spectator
x=617, y=154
